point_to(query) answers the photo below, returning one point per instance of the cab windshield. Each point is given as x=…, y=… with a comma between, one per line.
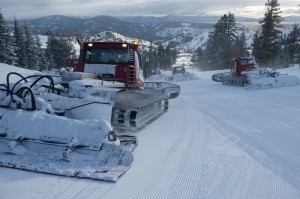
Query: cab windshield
x=103, y=55
x=244, y=62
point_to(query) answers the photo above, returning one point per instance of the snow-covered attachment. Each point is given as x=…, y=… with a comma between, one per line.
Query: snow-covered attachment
x=245, y=73
x=179, y=73
x=45, y=143
x=33, y=137
x=166, y=76
x=172, y=90
x=218, y=76
x=261, y=79
x=134, y=109
x=127, y=109
x=269, y=78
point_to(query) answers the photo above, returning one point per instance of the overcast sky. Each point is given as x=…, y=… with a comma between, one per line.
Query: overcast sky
x=38, y=8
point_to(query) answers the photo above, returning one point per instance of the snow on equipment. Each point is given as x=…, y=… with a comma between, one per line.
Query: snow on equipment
x=178, y=69
x=245, y=73
x=34, y=137
x=179, y=73
x=105, y=67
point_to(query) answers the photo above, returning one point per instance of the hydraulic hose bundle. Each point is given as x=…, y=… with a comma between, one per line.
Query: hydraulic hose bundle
x=16, y=96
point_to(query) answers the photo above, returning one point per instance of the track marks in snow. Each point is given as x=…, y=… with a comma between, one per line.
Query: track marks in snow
x=264, y=123
x=37, y=185
x=93, y=189
x=189, y=159
x=231, y=173
x=162, y=152
x=190, y=166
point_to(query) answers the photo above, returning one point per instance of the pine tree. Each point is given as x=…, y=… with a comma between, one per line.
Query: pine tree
x=173, y=55
x=212, y=51
x=256, y=44
x=59, y=49
x=241, y=46
x=161, y=56
x=270, y=36
x=42, y=63
x=197, y=58
x=165, y=57
x=31, y=49
x=21, y=53
x=293, y=45
x=220, y=47
x=7, y=54
x=153, y=61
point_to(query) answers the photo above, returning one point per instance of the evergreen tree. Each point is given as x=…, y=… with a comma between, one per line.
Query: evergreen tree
x=270, y=36
x=222, y=43
x=7, y=54
x=241, y=46
x=31, y=49
x=173, y=55
x=59, y=49
x=153, y=61
x=166, y=57
x=197, y=57
x=41, y=63
x=21, y=53
x=162, y=59
x=293, y=45
x=256, y=44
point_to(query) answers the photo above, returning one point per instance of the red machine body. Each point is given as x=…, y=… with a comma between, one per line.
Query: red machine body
x=112, y=61
x=121, y=63
x=235, y=77
x=178, y=69
x=242, y=64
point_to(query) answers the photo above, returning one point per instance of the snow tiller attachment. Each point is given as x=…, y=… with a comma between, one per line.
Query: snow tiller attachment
x=34, y=137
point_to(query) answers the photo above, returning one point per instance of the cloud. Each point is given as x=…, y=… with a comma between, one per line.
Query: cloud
x=38, y=8
x=292, y=11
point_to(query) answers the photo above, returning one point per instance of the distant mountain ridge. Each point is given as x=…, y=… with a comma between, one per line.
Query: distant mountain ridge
x=183, y=32
x=132, y=27
x=185, y=19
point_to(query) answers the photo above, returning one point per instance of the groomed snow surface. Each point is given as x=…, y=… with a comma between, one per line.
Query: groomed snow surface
x=215, y=141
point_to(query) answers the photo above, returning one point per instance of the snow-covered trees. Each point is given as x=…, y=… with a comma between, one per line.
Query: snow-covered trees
x=32, y=49
x=41, y=63
x=23, y=49
x=291, y=46
x=197, y=57
x=167, y=57
x=267, y=43
x=28, y=50
x=160, y=57
x=59, y=49
x=19, y=36
x=6, y=43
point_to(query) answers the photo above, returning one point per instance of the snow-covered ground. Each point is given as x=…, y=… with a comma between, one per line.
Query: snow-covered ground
x=215, y=141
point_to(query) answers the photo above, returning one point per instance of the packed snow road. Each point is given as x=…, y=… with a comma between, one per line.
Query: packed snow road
x=214, y=142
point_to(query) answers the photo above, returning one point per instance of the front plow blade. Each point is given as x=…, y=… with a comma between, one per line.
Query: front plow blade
x=107, y=163
x=40, y=142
